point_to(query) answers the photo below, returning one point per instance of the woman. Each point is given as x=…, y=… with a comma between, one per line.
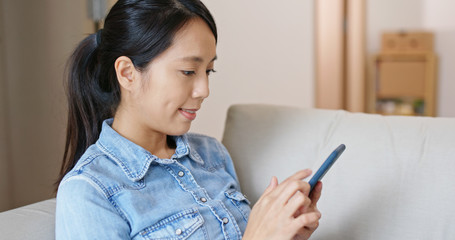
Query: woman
x=130, y=169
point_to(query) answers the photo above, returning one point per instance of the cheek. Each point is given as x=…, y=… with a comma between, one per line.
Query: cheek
x=147, y=98
x=162, y=97
x=176, y=91
x=165, y=91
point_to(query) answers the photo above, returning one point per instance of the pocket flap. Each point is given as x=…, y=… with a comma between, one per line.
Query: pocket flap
x=177, y=226
x=236, y=195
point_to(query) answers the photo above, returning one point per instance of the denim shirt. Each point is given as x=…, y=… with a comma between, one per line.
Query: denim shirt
x=118, y=190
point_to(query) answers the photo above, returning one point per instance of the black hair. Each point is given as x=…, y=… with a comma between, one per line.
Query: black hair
x=138, y=29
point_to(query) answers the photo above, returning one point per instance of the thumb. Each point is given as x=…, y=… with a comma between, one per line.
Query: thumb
x=272, y=185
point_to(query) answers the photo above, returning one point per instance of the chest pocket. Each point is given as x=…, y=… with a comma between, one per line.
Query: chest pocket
x=187, y=224
x=240, y=201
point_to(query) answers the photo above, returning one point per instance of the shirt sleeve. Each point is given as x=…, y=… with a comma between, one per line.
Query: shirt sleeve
x=228, y=163
x=84, y=212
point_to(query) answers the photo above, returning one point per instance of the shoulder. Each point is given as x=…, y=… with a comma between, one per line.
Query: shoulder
x=95, y=170
x=84, y=206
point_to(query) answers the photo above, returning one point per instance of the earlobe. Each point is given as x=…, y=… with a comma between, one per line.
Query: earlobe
x=126, y=72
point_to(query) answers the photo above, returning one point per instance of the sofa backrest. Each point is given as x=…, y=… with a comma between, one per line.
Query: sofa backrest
x=396, y=179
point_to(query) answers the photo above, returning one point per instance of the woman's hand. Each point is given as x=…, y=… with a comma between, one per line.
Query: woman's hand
x=305, y=232
x=284, y=211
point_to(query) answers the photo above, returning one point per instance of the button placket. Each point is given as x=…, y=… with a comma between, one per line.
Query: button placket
x=186, y=180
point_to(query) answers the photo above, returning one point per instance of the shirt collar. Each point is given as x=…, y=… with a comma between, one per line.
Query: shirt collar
x=132, y=158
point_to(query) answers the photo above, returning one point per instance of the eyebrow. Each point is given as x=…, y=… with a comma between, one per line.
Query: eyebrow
x=196, y=59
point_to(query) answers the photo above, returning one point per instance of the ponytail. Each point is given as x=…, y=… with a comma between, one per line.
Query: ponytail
x=137, y=29
x=89, y=102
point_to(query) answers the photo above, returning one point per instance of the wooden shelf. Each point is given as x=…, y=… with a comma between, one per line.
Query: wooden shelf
x=406, y=80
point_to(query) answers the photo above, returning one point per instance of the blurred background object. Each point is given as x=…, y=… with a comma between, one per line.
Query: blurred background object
x=97, y=10
x=340, y=54
x=36, y=39
x=349, y=33
x=404, y=73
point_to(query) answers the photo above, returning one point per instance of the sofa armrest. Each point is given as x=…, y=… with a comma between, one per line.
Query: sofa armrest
x=32, y=222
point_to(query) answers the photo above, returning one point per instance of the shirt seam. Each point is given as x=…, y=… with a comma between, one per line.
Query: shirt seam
x=81, y=163
x=100, y=188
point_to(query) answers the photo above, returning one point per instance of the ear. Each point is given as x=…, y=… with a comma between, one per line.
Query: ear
x=127, y=75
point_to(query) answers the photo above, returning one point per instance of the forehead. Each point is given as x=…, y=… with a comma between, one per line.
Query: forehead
x=194, y=41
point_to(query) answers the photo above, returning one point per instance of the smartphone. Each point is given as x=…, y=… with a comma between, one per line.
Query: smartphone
x=326, y=166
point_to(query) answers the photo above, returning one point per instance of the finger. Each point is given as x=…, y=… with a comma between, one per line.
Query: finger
x=297, y=202
x=316, y=194
x=313, y=226
x=306, y=205
x=274, y=182
x=290, y=188
x=272, y=185
x=298, y=176
x=307, y=219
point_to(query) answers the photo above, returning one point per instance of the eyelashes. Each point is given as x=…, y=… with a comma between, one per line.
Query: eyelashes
x=210, y=71
x=188, y=73
x=191, y=73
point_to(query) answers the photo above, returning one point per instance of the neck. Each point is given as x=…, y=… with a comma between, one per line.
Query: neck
x=152, y=141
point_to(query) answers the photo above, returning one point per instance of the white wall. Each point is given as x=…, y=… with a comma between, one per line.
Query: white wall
x=391, y=15
x=265, y=55
x=431, y=15
x=438, y=16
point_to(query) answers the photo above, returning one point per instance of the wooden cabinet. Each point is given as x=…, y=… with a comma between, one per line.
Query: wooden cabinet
x=403, y=79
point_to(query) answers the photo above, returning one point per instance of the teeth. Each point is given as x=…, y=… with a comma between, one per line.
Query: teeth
x=188, y=111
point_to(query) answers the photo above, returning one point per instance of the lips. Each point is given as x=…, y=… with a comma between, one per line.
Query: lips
x=189, y=114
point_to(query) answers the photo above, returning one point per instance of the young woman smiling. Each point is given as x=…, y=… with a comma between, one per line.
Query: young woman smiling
x=130, y=169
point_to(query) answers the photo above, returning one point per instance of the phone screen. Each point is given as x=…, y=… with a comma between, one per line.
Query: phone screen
x=326, y=165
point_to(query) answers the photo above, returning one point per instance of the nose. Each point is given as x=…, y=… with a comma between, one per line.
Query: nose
x=201, y=88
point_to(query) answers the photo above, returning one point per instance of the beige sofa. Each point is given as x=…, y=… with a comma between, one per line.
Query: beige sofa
x=396, y=179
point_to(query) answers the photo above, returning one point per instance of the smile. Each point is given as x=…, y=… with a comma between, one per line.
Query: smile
x=189, y=114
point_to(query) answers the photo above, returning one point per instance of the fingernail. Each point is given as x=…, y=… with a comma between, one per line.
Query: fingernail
x=271, y=181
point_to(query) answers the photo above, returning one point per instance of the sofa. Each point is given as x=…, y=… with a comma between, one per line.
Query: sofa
x=396, y=179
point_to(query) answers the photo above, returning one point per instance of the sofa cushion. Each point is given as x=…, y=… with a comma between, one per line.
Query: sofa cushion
x=394, y=181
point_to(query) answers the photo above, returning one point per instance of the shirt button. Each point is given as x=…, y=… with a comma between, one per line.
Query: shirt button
x=225, y=220
x=178, y=231
x=181, y=174
x=203, y=199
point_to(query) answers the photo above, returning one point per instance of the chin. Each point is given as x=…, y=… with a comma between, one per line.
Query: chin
x=179, y=131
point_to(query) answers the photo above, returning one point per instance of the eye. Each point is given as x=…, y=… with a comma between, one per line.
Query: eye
x=210, y=71
x=188, y=73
